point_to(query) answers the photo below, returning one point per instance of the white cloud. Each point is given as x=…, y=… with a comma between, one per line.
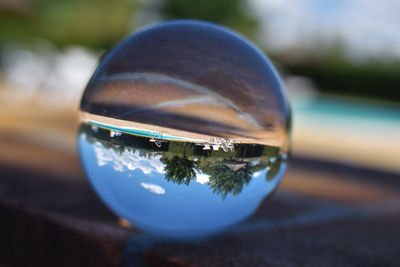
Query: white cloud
x=153, y=188
x=202, y=178
x=258, y=173
x=128, y=160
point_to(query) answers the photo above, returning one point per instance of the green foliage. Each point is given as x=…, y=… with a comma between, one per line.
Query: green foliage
x=230, y=13
x=274, y=168
x=179, y=170
x=98, y=24
x=224, y=180
x=181, y=148
x=376, y=80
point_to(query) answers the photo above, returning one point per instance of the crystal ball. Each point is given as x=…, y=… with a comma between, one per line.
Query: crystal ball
x=184, y=129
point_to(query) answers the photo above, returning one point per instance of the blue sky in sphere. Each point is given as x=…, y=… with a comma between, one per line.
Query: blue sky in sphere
x=140, y=193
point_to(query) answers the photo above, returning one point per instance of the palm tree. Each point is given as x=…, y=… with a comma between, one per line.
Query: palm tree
x=179, y=169
x=225, y=180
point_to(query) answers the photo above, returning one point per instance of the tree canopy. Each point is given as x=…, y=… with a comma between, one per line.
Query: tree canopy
x=97, y=24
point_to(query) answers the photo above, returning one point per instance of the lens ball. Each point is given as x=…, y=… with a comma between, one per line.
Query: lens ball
x=184, y=129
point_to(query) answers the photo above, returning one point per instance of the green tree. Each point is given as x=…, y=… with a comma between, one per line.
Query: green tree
x=231, y=13
x=98, y=24
x=179, y=170
x=224, y=180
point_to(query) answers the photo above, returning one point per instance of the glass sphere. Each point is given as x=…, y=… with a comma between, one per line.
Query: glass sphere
x=184, y=129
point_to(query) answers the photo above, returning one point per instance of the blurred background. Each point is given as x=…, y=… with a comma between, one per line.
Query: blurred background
x=340, y=62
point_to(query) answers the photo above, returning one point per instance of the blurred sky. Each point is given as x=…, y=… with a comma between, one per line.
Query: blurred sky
x=367, y=28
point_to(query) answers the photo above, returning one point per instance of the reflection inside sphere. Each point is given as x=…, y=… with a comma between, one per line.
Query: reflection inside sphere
x=176, y=188
x=184, y=128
